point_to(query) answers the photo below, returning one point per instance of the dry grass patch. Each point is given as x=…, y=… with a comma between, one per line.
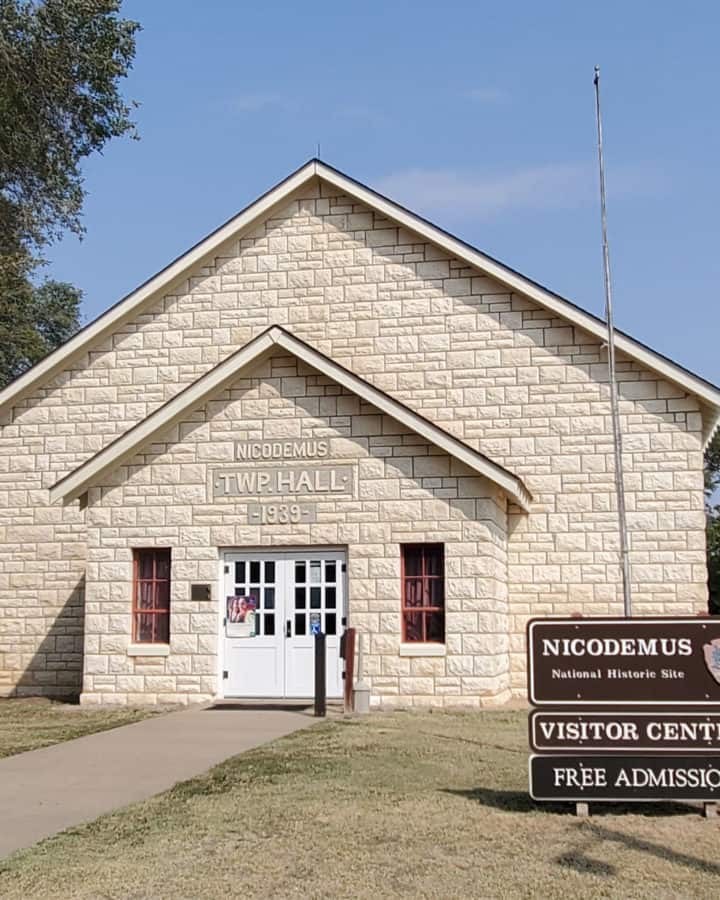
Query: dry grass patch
x=404, y=804
x=28, y=724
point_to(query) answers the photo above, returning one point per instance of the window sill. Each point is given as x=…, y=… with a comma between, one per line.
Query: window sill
x=419, y=649
x=149, y=650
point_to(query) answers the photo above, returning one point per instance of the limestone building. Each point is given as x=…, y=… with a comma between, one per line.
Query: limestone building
x=331, y=413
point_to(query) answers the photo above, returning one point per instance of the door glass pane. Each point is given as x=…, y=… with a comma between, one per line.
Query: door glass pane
x=300, y=598
x=239, y=591
x=315, y=571
x=269, y=624
x=300, y=573
x=330, y=570
x=240, y=571
x=255, y=571
x=330, y=597
x=270, y=572
x=269, y=598
x=315, y=602
x=299, y=623
x=330, y=625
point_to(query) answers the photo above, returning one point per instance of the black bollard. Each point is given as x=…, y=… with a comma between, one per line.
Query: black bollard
x=320, y=674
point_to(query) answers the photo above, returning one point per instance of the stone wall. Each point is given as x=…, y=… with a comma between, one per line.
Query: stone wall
x=406, y=491
x=490, y=367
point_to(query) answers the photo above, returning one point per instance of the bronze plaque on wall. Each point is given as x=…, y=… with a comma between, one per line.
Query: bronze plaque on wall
x=624, y=662
x=200, y=593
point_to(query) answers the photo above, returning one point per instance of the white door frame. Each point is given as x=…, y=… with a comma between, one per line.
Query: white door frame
x=283, y=552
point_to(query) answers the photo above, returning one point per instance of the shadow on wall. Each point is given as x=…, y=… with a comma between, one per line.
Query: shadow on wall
x=56, y=668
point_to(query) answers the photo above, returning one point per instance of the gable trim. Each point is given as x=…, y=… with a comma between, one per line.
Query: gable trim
x=167, y=278
x=221, y=376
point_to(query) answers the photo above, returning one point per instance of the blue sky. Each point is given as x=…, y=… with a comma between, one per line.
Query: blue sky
x=479, y=116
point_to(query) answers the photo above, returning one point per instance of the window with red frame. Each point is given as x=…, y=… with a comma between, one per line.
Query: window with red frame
x=151, y=597
x=423, y=593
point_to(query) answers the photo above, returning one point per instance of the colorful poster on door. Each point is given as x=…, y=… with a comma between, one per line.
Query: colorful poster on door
x=240, y=616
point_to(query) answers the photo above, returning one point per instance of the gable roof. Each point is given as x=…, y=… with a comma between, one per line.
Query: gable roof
x=164, y=281
x=222, y=375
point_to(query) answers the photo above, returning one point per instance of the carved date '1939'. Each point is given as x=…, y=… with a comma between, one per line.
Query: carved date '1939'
x=280, y=513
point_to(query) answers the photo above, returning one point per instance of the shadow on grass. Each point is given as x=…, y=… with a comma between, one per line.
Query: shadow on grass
x=520, y=801
x=602, y=833
x=585, y=865
x=464, y=740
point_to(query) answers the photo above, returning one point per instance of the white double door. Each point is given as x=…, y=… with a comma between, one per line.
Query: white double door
x=289, y=595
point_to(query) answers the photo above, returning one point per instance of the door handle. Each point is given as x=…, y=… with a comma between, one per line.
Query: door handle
x=288, y=629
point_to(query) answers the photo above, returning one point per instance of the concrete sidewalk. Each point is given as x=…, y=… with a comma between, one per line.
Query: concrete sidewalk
x=45, y=791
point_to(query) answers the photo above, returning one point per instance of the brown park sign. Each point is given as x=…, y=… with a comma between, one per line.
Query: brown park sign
x=591, y=731
x=581, y=779
x=624, y=662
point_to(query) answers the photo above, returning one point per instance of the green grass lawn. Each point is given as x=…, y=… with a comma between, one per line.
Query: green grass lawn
x=390, y=805
x=29, y=724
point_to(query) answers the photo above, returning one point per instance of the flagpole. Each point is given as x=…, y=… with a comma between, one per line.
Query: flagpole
x=617, y=434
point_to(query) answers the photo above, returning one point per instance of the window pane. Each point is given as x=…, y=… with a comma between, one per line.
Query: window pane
x=300, y=573
x=255, y=571
x=269, y=598
x=435, y=623
x=145, y=595
x=413, y=559
x=162, y=565
x=299, y=623
x=144, y=628
x=330, y=571
x=330, y=597
x=435, y=591
x=414, y=592
x=434, y=560
x=413, y=627
x=240, y=571
x=162, y=595
x=330, y=623
x=315, y=602
x=269, y=572
x=145, y=565
x=315, y=571
x=269, y=624
x=239, y=591
x=162, y=628
x=299, y=598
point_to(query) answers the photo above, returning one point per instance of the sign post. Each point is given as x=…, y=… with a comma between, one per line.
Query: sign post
x=320, y=673
x=625, y=710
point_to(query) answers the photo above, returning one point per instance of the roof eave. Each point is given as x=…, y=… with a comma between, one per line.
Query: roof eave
x=165, y=280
